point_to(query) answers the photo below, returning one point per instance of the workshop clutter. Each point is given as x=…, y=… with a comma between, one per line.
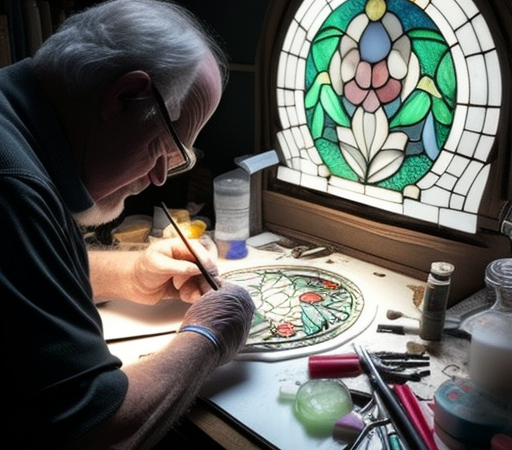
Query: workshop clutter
x=138, y=230
x=390, y=414
x=469, y=413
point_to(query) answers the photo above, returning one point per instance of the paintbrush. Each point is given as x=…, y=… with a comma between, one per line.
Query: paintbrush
x=207, y=275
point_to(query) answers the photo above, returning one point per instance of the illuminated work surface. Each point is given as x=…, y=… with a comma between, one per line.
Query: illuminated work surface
x=248, y=390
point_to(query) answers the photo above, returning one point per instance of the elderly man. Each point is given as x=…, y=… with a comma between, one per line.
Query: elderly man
x=110, y=104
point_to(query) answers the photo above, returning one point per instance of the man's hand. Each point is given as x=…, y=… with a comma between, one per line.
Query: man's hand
x=165, y=269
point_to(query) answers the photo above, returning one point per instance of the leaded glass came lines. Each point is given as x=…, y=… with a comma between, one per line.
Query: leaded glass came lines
x=376, y=95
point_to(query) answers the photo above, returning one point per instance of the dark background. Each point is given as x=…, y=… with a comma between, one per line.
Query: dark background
x=230, y=132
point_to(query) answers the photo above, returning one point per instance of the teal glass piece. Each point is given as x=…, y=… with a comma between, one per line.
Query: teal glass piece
x=366, y=97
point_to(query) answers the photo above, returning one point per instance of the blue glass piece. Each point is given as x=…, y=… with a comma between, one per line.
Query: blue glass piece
x=375, y=43
x=414, y=148
x=429, y=138
x=393, y=107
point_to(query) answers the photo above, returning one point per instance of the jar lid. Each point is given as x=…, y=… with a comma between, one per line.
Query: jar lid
x=442, y=269
x=501, y=442
x=499, y=273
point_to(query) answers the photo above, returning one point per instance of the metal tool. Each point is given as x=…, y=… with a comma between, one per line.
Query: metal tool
x=400, y=418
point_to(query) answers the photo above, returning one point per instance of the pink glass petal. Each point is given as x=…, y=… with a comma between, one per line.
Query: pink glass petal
x=390, y=91
x=380, y=74
x=354, y=93
x=364, y=75
x=371, y=103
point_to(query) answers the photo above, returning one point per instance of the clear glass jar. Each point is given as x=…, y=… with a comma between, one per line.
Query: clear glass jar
x=490, y=361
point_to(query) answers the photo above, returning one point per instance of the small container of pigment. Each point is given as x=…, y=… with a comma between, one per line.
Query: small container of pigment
x=232, y=199
x=232, y=204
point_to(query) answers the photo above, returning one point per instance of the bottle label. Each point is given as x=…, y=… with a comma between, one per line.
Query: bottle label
x=434, y=310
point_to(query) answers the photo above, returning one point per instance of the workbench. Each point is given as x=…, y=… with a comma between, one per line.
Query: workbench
x=240, y=406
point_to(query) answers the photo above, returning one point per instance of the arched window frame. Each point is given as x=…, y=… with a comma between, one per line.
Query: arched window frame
x=405, y=244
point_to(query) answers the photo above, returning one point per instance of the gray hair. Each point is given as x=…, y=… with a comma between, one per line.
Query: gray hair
x=95, y=46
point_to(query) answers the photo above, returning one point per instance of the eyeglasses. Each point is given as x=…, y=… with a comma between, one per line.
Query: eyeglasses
x=185, y=159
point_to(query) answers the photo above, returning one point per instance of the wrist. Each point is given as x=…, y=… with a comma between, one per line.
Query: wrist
x=203, y=331
x=206, y=333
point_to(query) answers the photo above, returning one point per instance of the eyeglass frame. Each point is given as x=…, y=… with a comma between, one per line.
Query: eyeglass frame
x=188, y=155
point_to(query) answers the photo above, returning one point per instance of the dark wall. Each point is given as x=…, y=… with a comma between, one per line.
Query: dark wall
x=230, y=132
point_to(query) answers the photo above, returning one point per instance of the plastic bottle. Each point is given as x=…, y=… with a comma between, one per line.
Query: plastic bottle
x=435, y=301
x=232, y=212
x=490, y=361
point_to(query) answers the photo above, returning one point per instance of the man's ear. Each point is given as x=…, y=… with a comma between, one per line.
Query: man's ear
x=130, y=85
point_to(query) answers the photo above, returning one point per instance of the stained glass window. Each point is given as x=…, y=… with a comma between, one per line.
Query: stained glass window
x=394, y=104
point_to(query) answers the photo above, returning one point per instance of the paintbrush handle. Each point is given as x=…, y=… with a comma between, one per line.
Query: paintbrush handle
x=207, y=276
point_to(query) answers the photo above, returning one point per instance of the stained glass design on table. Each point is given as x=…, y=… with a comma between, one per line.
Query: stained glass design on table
x=394, y=104
x=297, y=307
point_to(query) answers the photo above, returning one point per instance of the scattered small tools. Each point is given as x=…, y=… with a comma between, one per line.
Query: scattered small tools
x=398, y=368
x=394, y=367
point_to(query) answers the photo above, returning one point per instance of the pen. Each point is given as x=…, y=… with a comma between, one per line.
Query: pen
x=207, y=276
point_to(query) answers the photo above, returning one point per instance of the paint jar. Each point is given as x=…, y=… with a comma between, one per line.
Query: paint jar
x=232, y=197
x=467, y=416
x=435, y=300
x=490, y=361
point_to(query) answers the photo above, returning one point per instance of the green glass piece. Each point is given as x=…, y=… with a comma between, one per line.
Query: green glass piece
x=317, y=125
x=430, y=47
x=413, y=169
x=333, y=107
x=316, y=317
x=446, y=79
x=324, y=46
x=313, y=94
x=333, y=158
x=312, y=319
x=414, y=110
x=442, y=112
x=341, y=16
x=442, y=132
